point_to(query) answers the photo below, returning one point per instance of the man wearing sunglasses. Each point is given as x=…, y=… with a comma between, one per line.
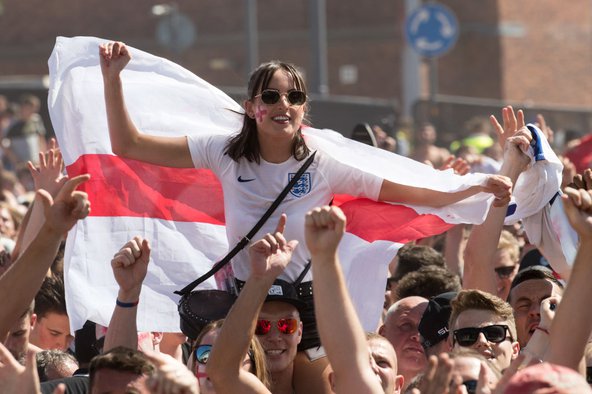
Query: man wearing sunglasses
x=279, y=331
x=485, y=323
x=267, y=308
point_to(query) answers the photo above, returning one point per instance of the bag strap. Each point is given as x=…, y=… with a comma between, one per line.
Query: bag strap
x=302, y=274
x=247, y=238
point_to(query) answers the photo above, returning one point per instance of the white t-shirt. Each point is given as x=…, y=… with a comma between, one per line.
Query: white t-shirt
x=250, y=188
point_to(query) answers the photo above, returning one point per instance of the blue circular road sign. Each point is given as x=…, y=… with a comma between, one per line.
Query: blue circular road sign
x=431, y=30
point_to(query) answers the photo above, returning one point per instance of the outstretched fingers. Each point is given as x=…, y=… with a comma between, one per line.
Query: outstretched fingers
x=72, y=184
x=512, y=121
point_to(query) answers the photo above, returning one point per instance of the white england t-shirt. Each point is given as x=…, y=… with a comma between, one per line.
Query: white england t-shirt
x=250, y=188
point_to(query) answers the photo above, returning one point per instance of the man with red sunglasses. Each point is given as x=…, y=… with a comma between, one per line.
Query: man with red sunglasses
x=279, y=331
x=267, y=308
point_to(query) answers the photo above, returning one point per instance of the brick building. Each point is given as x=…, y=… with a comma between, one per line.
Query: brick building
x=533, y=53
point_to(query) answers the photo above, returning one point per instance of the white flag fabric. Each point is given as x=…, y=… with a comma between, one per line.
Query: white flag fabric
x=180, y=211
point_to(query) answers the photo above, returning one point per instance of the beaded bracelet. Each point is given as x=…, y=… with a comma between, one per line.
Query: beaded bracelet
x=126, y=304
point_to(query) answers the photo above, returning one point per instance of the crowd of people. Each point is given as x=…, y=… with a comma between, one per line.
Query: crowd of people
x=478, y=309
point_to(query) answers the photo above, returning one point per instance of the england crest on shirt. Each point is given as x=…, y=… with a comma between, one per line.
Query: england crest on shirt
x=302, y=186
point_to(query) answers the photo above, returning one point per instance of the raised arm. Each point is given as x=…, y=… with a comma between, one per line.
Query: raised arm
x=482, y=244
x=497, y=185
x=130, y=265
x=126, y=140
x=16, y=378
x=22, y=280
x=347, y=348
x=47, y=176
x=269, y=257
x=571, y=326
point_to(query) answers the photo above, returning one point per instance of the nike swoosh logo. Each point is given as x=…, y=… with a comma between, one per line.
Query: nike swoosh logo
x=240, y=179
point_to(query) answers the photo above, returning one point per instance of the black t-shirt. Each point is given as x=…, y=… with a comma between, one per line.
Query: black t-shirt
x=74, y=385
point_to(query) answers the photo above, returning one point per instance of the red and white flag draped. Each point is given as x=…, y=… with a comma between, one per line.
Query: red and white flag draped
x=180, y=211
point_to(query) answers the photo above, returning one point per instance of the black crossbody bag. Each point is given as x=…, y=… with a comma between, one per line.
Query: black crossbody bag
x=199, y=307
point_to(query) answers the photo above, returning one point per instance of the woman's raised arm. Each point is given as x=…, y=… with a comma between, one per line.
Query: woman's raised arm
x=126, y=140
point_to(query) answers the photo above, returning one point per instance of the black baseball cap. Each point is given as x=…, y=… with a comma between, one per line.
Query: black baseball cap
x=433, y=326
x=285, y=292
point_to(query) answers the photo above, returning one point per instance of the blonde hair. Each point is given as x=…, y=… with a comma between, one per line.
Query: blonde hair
x=258, y=360
x=508, y=242
x=481, y=300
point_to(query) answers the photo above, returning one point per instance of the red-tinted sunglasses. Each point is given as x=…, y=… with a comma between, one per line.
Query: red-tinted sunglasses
x=285, y=326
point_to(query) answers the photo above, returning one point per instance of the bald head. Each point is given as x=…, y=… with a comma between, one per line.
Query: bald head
x=407, y=304
x=400, y=328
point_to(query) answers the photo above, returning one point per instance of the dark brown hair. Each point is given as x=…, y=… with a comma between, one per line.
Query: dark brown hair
x=427, y=282
x=51, y=297
x=123, y=360
x=246, y=143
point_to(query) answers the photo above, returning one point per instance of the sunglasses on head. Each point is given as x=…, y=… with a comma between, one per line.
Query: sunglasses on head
x=272, y=96
x=285, y=326
x=468, y=336
x=504, y=272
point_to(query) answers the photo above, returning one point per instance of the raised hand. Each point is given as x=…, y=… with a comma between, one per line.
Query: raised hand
x=171, y=376
x=515, y=148
x=270, y=255
x=48, y=176
x=542, y=124
x=130, y=265
x=114, y=57
x=578, y=208
x=458, y=164
x=582, y=181
x=323, y=229
x=569, y=172
x=512, y=123
x=15, y=378
x=517, y=364
x=68, y=206
x=547, y=310
x=500, y=186
x=438, y=379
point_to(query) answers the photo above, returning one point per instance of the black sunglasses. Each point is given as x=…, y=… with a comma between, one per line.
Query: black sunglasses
x=468, y=336
x=504, y=272
x=272, y=96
